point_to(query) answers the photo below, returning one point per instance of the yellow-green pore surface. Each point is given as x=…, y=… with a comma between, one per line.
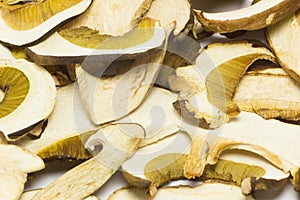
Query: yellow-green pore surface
x=15, y=87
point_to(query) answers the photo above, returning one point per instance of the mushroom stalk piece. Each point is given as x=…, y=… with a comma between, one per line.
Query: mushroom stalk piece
x=257, y=16
x=116, y=143
x=29, y=194
x=270, y=93
x=283, y=38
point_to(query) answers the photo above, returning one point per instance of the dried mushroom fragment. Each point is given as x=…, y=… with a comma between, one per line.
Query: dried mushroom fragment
x=283, y=38
x=15, y=164
x=202, y=191
x=158, y=163
x=27, y=97
x=121, y=94
x=73, y=46
x=260, y=136
x=257, y=16
x=181, y=17
x=213, y=80
x=269, y=92
x=21, y=25
x=29, y=194
x=63, y=136
x=118, y=141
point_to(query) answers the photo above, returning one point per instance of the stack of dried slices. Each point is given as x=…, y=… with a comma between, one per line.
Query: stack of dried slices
x=127, y=87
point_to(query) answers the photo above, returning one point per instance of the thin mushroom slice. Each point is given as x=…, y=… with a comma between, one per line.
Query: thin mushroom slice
x=283, y=38
x=262, y=137
x=27, y=94
x=15, y=164
x=141, y=171
x=257, y=16
x=270, y=92
x=66, y=129
x=25, y=24
x=75, y=47
x=118, y=142
x=206, y=89
x=5, y=53
x=121, y=94
x=181, y=17
x=203, y=191
x=29, y=194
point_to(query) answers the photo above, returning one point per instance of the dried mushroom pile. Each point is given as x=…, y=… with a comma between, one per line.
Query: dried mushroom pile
x=126, y=85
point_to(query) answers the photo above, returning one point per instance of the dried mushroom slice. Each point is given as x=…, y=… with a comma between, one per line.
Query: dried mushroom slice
x=30, y=22
x=158, y=163
x=75, y=45
x=62, y=137
x=15, y=164
x=207, y=88
x=118, y=142
x=167, y=17
x=27, y=94
x=252, y=133
x=269, y=92
x=257, y=16
x=207, y=190
x=121, y=94
x=29, y=194
x=283, y=38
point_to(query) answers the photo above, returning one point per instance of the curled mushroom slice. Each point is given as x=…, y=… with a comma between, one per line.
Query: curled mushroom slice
x=61, y=137
x=261, y=136
x=181, y=17
x=27, y=97
x=213, y=81
x=257, y=16
x=84, y=44
x=121, y=94
x=118, y=141
x=203, y=191
x=15, y=164
x=284, y=41
x=25, y=24
x=158, y=163
x=29, y=194
x=269, y=92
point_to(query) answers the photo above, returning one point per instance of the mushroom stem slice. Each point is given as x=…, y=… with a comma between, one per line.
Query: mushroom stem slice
x=116, y=143
x=257, y=16
x=203, y=191
x=284, y=41
x=122, y=93
x=269, y=92
x=29, y=194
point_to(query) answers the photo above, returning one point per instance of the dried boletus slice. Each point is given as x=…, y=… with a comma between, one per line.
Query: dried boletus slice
x=270, y=92
x=252, y=133
x=257, y=16
x=21, y=25
x=116, y=143
x=63, y=136
x=121, y=94
x=27, y=97
x=158, y=163
x=75, y=45
x=15, y=164
x=209, y=190
x=167, y=17
x=284, y=41
x=213, y=80
x=5, y=53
